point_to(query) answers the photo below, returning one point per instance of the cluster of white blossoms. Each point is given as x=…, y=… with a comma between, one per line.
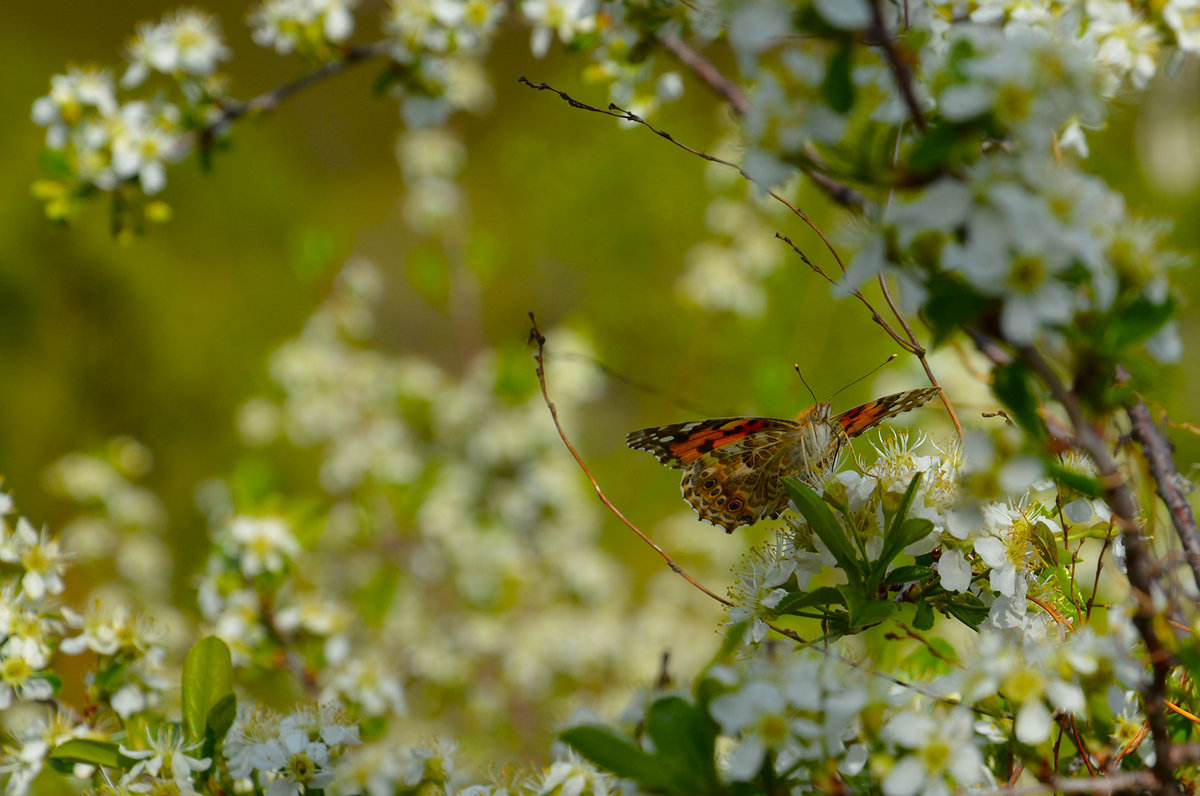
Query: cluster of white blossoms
x=305, y=26
x=106, y=141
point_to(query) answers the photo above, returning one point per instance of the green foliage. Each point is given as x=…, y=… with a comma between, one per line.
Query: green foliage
x=684, y=741
x=207, y=691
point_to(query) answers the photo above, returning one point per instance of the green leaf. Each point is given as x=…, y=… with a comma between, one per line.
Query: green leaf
x=838, y=87
x=617, y=755
x=1013, y=385
x=207, y=680
x=1134, y=323
x=967, y=609
x=1086, y=485
x=220, y=719
x=685, y=742
x=96, y=753
x=934, y=148
x=900, y=535
x=923, y=619
x=798, y=600
x=1044, y=545
x=913, y=573
x=866, y=610
x=950, y=305
x=826, y=527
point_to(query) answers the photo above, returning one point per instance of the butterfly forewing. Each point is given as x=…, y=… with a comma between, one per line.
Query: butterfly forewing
x=680, y=444
x=864, y=418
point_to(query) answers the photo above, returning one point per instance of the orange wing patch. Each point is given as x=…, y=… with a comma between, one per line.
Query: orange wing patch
x=709, y=439
x=863, y=418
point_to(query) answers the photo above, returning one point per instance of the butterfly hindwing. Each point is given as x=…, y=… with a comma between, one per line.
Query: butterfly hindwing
x=738, y=483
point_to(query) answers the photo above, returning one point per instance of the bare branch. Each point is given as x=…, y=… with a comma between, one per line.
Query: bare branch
x=1138, y=565
x=702, y=68
x=270, y=100
x=1157, y=450
x=536, y=336
x=881, y=36
x=620, y=113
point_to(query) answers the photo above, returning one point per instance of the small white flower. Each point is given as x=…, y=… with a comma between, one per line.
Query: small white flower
x=954, y=570
x=40, y=556
x=1183, y=18
x=263, y=544
x=942, y=755
x=566, y=18
x=573, y=777
x=21, y=660
x=167, y=753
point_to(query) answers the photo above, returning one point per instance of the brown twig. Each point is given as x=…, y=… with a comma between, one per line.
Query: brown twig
x=539, y=339
x=1137, y=559
x=881, y=36
x=920, y=353
x=269, y=100
x=616, y=111
x=1132, y=780
x=1157, y=450
x=875, y=316
x=702, y=68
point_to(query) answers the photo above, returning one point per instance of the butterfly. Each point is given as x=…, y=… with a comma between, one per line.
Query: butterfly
x=734, y=466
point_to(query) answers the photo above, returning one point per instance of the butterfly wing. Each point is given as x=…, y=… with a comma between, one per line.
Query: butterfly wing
x=864, y=418
x=733, y=465
x=680, y=444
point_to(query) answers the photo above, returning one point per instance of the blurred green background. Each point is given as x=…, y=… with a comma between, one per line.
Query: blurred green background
x=570, y=217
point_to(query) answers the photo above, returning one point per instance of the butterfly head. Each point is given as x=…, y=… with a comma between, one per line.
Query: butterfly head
x=818, y=412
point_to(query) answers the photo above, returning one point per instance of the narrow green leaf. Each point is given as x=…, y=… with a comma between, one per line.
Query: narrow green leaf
x=913, y=573
x=897, y=538
x=96, y=753
x=1088, y=486
x=685, y=741
x=934, y=148
x=1134, y=323
x=923, y=619
x=826, y=527
x=838, y=86
x=968, y=609
x=616, y=755
x=797, y=600
x=866, y=610
x=1045, y=546
x=207, y=679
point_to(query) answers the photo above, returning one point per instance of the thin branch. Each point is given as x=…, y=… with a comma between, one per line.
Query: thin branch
x=1157, y=450
x=1137, y=559
x=881, y=36
x=1132, y=780
x=269, y=100
x=920, y=353
x=875, y=316
x=539, y=339
x=702, y=68
x=618, y=112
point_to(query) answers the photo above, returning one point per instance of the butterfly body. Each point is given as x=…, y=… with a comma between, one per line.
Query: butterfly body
x=734, y=466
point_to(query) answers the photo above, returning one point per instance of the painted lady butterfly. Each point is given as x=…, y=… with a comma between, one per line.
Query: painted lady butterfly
x=733, y=466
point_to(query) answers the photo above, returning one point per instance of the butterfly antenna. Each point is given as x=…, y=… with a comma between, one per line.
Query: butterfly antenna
x=632, y=383
x=870, y=372
x=805, y=383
